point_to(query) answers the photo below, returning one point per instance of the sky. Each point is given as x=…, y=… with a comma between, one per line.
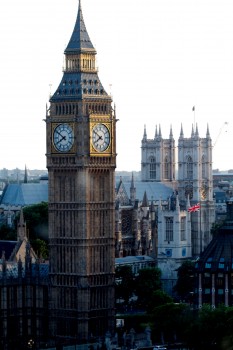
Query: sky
x=157, y=58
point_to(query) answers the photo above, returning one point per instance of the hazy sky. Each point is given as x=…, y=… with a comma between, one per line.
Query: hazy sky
x=158, y=58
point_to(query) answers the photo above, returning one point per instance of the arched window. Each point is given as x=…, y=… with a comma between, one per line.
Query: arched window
x=203, y=167
x=168, y=229
x=189, y=168
x=152, y=168
x=166, y=168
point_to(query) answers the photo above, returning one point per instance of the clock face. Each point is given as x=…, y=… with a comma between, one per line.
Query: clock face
x=63, y=137
x=203, y=191
x=100, y=137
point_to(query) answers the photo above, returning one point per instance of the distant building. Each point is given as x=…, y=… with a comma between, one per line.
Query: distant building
x=214, y=268
x=17, y=196
x=136, y=262
x=23, y=293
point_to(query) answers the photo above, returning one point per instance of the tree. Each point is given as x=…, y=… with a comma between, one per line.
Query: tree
x=147, y=281
x=40, y=247
x=158, y=298
x=124, y=283
x=185, y=281
x=169, y=321
x=7, y=233
x=36, y=217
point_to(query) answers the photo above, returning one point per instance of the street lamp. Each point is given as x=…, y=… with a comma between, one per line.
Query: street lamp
x=30, y=344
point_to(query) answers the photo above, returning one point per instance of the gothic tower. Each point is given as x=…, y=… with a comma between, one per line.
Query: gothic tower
x=195, y=183
x=81, y=161
x=158, y=157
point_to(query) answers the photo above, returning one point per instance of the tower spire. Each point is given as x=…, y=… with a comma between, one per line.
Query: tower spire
x=171, y=132
x=144, y=134
x=181, y=132
x=192, y=131
x=80, y=40
x=25, y=175
x=207, y=132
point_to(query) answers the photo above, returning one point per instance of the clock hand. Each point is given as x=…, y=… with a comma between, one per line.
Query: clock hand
x=59, y=133
x=62, y=138
x=96, y=133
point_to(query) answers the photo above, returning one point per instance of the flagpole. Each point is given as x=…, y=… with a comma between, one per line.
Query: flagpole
x=200, y=232
x=194, y=208
x=194, y=117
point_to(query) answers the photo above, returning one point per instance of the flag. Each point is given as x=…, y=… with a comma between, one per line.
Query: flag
x=195, y=207
x=193, y=108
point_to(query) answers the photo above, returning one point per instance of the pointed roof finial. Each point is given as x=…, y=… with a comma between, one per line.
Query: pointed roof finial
x=197, y=132
x=181, y=132
x=144, y=135
x=132, y=190
x=192, y=131
x=160, y=134
x=21, y=228
x=145, y=202
x=132, y=181
x=207, y=132
x=171, y=132
x=156, y=131
x=25, y=175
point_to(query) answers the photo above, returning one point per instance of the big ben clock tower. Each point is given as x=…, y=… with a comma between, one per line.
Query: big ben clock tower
x=81, y=161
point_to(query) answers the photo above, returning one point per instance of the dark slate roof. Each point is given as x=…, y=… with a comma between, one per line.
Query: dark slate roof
x=74, y=85
x=12, y=270
x=218, y=255
x=79, y=40
x=29, y=194
x=134, y=259
x=156, y=190
x=25, y=194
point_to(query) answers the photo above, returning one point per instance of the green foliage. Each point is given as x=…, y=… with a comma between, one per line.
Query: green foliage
x=124, y=283
x=158, y=298
x=147, y=281
x=36, y=217
x=212, y=328
x=135, y=321
x=40, y=247
x=7, y=233
x=168, y=321
x=185, y=281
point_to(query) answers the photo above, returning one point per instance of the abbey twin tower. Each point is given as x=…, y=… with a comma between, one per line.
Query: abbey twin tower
x=169, y=213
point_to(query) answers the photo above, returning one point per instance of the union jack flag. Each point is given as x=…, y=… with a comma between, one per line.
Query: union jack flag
x=195, y=207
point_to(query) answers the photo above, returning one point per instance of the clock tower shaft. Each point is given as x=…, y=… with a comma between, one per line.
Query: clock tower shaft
x=81, y=161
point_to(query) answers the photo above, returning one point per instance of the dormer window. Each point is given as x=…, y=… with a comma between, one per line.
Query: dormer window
x=208, y=263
